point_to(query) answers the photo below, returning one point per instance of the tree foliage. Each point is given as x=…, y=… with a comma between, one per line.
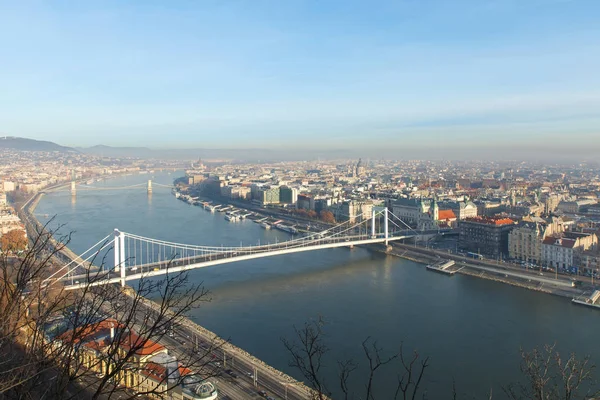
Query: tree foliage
x=13, y=241
x=327, y=216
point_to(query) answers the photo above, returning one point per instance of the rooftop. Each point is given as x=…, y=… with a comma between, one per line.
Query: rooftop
x=446, y=214
x=491, y=220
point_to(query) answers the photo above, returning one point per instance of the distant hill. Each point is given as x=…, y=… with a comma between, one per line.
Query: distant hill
x=23, y=144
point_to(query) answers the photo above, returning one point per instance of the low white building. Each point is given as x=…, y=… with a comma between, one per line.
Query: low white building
x=561, y=251
x=558, y=252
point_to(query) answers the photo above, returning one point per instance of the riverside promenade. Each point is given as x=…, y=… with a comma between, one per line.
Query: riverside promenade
x=545, y=282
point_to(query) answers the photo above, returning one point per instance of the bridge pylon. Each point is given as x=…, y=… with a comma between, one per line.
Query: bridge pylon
x=386, y=230
x=73, y=189
x=119, y=250
x=149, y=186
x=373, y=224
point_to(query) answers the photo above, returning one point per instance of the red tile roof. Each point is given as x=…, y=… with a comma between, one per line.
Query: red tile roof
x=147, y=346
x=562, y=242
x=446, y=214
x=96, y=336
x=154, y=371
x=91, y=330
x=491, y=220
x=158, y=372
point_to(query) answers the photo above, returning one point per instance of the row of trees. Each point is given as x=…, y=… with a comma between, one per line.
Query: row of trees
x=324, y=215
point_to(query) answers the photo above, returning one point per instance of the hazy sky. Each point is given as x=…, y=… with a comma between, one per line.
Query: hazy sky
x=393, y=74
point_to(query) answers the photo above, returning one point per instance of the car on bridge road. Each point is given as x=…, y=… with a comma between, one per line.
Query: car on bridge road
x=231, y=373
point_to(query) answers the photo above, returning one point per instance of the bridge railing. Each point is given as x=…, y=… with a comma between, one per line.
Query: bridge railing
x=155, y=253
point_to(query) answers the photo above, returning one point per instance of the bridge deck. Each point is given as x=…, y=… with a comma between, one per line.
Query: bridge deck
x=176, y=266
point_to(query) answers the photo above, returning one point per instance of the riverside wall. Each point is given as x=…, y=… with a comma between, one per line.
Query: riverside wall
x=297, y=387
x=500, y=274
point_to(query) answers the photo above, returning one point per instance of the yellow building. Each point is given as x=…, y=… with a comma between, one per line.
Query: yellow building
x=525, y=241
x=144, y=365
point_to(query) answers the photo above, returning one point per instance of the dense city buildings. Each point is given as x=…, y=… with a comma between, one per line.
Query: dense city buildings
x=539, y=216
x=25, y=173
x=485, y=235
x=500, y=209
x=541, y=201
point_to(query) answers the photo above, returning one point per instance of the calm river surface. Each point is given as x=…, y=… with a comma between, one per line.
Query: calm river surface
x=472, y=329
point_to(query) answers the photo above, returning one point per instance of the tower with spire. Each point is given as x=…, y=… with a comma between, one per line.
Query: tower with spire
x=360, y=169
x=435, y=210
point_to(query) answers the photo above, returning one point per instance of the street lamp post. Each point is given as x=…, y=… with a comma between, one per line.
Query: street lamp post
x=285, y=385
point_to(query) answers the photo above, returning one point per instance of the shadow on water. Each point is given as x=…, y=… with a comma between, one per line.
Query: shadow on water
x=471, y=328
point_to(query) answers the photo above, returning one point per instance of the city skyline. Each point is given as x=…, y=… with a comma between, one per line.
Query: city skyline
x=404, y=75
x=276, y=243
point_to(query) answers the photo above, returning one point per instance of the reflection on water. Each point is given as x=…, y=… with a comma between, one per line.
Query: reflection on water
x=296, y=279
x=472, y=329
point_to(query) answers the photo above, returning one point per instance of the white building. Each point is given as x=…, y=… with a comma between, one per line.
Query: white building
x=354, y=210
x=419, y=213
x=558, y=252
x=8, y=186
x=562, y=251
x=462, y=209
x=574, y=206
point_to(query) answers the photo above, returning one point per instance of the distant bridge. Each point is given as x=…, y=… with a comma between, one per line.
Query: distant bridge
x=79, y=186
x=137, y=257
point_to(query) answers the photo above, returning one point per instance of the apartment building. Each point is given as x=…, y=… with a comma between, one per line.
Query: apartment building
x=485, y=235
x=525, y=240
x=561, y=251
x=150, y=367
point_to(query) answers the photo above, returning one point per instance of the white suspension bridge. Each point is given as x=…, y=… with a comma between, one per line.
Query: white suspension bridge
x=78, y=186
x=136, y=257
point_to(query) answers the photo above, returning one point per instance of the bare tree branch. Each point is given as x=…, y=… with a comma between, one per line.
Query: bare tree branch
x=34, y=365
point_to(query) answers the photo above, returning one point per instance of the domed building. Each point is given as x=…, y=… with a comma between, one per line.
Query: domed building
x=200, y=391
x=360, y=168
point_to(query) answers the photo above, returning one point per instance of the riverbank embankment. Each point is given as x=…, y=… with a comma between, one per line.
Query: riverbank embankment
x=278, y=380
x=559, y=286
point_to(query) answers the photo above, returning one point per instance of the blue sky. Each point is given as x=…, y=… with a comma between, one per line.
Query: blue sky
x=404, y=73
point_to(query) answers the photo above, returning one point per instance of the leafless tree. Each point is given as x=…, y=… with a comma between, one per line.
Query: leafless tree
x=308, y=351
x=307, y=356
x=411, y=375
x=549, y=376
x=31, y=366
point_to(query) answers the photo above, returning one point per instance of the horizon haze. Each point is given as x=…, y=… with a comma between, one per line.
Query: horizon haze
x=497, y=79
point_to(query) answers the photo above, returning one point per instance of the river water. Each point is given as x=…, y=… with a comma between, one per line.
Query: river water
x=471, y=329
